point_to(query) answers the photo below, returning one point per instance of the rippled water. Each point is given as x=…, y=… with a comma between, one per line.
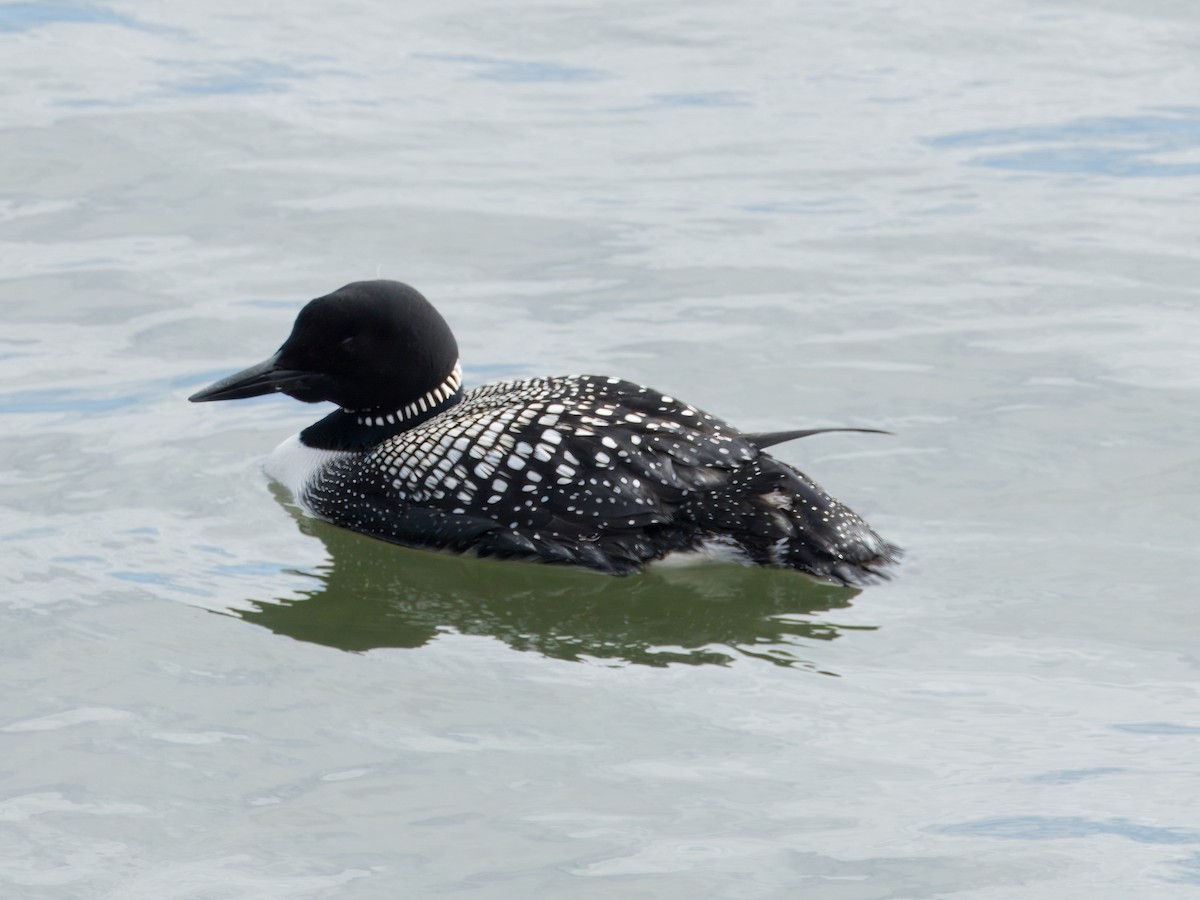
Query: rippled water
x=975, y=227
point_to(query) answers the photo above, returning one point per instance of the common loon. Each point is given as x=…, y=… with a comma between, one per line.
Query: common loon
x=584, y=470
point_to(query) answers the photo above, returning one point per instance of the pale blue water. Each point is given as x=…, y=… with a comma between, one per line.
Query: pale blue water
x=976, y=228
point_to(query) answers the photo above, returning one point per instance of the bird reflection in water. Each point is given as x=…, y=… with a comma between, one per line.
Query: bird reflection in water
x=372, y=594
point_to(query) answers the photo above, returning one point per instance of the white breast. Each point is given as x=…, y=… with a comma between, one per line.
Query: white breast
x=294, y=466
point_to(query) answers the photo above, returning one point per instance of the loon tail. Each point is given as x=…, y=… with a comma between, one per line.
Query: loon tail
x=781, y=518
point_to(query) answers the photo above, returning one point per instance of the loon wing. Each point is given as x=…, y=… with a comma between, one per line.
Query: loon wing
x=763, y=440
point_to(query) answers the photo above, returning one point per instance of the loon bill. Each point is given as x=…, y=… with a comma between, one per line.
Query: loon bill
x=584, y=470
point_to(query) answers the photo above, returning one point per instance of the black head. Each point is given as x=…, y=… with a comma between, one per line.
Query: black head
x=372, y=345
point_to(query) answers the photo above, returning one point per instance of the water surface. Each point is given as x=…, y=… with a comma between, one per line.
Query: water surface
x=975, y=228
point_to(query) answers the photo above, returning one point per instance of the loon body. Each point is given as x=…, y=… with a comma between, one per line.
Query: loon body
x=584, y=470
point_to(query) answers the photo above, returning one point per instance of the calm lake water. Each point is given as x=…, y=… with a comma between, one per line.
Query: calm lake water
x=975, y=227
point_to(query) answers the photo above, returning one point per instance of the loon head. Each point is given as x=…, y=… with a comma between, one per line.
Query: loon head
x=370, y=346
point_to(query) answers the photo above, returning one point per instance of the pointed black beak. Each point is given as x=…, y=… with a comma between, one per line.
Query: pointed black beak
x=265, y=378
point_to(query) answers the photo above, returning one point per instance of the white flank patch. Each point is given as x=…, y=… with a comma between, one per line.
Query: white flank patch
x=711, y=550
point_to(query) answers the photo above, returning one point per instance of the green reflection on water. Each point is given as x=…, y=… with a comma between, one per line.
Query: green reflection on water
x=372, y=594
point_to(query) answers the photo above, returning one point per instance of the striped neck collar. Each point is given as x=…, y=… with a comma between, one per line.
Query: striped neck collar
x=419, y=408
x=359, y=430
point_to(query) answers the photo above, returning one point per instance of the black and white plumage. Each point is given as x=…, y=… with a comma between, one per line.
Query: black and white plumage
x=584, y=470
